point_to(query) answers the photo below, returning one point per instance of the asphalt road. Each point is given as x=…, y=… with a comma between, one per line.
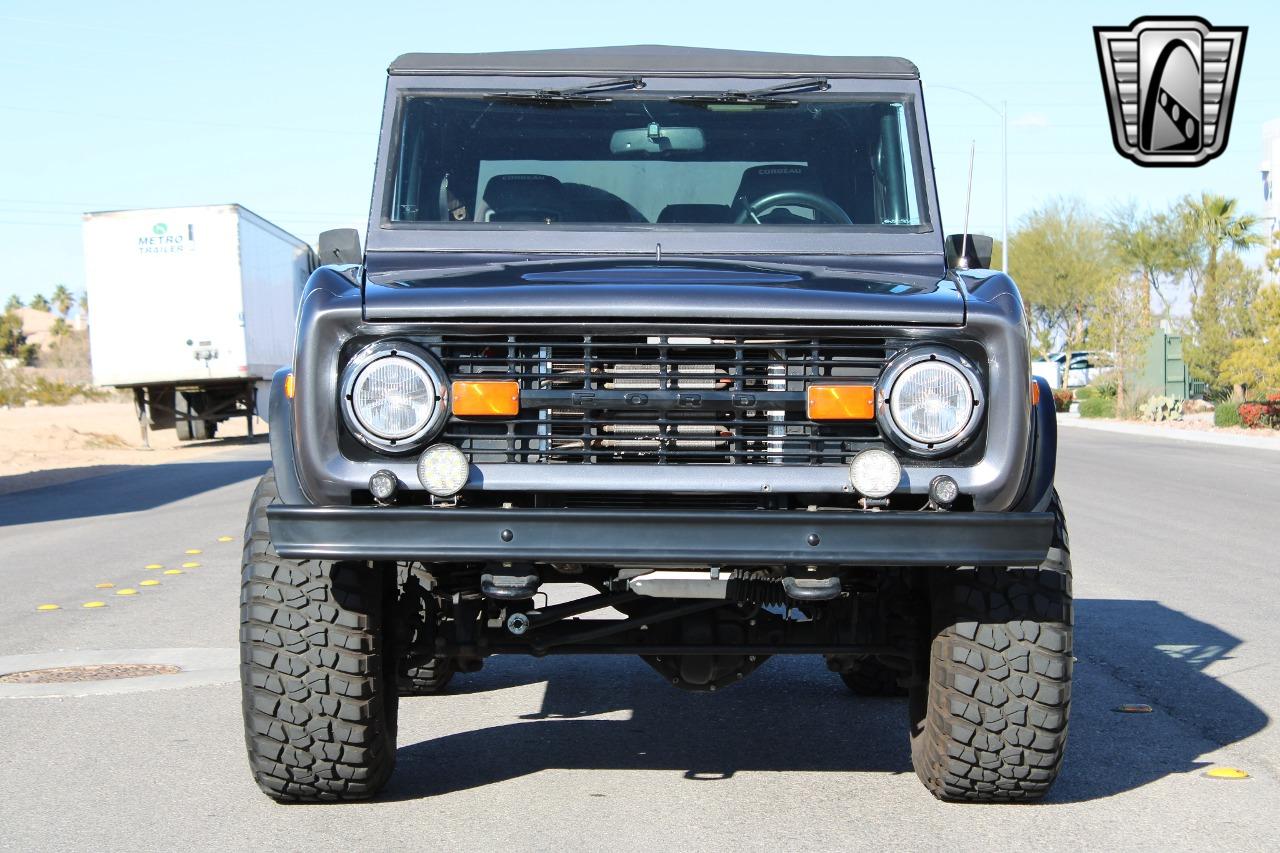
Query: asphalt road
x=1174, y=549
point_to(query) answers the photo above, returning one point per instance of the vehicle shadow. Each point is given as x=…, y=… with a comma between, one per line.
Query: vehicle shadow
x=126, y=489
x=793, y=715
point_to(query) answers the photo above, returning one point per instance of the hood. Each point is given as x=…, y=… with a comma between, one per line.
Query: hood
x=679, y=290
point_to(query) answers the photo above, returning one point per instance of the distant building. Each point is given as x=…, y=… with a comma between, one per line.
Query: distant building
x=38, y=325
x=1270, y=166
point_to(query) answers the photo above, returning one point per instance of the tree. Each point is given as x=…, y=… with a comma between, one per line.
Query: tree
x=39, y=303
x=1158, y=247
x=1216, y=225
x=1254, y=361
x=83, y=303
x=13, y=304
x=13, y=341
x=1062, y=261
x=62, y=299
x=60, y=329
x=1222, y=315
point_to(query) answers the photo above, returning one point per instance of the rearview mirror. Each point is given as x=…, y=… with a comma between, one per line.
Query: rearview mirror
x=656, y=139
x=973, y=253
x=340, y=246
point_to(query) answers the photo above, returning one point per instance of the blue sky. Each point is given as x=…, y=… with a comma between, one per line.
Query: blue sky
x=276, y=106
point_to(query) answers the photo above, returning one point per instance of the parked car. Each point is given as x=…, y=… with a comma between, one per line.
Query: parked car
x=679, y=325
x=1085, y=366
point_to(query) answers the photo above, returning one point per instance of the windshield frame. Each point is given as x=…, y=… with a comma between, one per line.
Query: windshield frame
x=384, y=235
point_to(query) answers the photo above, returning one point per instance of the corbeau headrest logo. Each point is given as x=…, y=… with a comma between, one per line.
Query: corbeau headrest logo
x=1170, y=84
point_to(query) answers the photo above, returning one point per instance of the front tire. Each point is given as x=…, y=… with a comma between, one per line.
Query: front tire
x=317, y=680
x=427, y=679
x=990, y=725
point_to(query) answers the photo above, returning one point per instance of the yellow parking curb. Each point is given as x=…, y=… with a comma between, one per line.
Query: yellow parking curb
x=94, y=604
x=149, y=583
x=1226, y=773
x=190, y=565
x=194, y=551
x=154, y=566
x=103, y=585
x=48, y=607
x=226, y=539
x=173, y=571
x=126, y=591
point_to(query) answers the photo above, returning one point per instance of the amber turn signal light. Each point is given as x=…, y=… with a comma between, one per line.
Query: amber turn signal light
x=288, y=386
x=841, y=402
x=486, y=399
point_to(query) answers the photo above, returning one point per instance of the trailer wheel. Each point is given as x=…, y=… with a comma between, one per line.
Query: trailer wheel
x=991, y=723
x=317, y=676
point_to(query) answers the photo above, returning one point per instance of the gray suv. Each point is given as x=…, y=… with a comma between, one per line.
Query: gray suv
x=682, y=326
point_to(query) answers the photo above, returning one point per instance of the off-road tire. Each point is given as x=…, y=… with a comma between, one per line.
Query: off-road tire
x=870, y=678
x=990, y=724
x=427, y=679
x=317, y=681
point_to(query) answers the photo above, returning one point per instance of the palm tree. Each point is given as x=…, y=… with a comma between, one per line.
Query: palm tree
x=1215, y=222
x=13, y=304
x=83, y=302
x=39, y=303
x=62, y=299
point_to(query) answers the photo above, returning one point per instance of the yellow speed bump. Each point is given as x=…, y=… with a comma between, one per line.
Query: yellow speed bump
x=226, y=539
x=149, y=583
x=103, y=585
x=48, y=607
x=92, y=604
x=154, y=566
x=126, y=591
x=173, y=571
x=194, y=551
x=1226, y=773
x=190, y=565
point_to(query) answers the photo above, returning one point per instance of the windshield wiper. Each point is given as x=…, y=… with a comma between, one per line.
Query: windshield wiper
x=573, y=94
x=768, y=95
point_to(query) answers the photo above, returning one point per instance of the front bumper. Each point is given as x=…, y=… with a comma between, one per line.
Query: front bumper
x=661, y=537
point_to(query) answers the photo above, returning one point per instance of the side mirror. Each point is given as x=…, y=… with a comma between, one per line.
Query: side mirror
x=340, y=246
x=975, y=254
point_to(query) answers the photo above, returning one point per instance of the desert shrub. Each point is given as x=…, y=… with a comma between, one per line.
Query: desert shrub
x=1263, y=414
x=1098, y=407
x=1062, y=400
x=1160, y=407
x=16, y=389
x=1086, y=393
x=1226, y=414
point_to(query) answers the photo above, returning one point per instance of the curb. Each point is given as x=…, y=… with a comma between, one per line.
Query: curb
x=1193, y=436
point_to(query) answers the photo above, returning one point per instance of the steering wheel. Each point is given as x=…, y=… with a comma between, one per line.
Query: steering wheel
x=819, y=204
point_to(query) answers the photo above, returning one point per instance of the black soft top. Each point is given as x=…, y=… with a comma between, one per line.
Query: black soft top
x=654, y=60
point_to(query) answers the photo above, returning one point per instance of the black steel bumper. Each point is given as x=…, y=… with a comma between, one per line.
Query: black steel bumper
x=662, y=536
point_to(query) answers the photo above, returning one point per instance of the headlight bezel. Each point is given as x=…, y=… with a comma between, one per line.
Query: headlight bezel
x=893, y=373
x=435, y=376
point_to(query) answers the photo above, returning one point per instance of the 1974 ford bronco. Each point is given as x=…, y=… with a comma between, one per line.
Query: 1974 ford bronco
x=680, y=325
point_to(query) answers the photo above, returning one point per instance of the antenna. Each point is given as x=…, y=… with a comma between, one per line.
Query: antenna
x=962, y=262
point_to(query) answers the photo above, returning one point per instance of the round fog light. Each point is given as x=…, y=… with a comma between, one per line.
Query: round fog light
x=943, y=490
x=382, y=485
x=875, y=473
x=443, y=470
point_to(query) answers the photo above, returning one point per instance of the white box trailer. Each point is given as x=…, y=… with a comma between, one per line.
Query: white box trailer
x=193, y=308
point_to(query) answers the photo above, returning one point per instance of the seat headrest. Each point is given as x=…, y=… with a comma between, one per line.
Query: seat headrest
x=704, y=213
x=760, y=181
x=505, y=194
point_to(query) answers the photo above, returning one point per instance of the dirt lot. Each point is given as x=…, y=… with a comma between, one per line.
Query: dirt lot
x=44, y=445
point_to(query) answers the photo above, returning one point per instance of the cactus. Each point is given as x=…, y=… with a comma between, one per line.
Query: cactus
x=1161, y=408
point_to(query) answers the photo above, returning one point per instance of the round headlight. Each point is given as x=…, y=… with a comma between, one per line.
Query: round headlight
x=443, y=470
x=929, y=400
x=875, y=473
x=394, y=396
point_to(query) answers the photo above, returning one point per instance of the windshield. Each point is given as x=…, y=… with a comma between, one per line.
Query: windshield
x=811, y=162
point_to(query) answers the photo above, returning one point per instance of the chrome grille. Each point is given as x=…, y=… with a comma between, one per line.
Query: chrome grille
x=662, y=399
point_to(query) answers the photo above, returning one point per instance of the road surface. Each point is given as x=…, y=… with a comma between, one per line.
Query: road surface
x=1174, y=548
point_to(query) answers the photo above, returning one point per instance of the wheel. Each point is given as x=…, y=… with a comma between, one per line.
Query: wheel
x=869, y=677
x=990, y=724
x=316, y=676
x=427, y=679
